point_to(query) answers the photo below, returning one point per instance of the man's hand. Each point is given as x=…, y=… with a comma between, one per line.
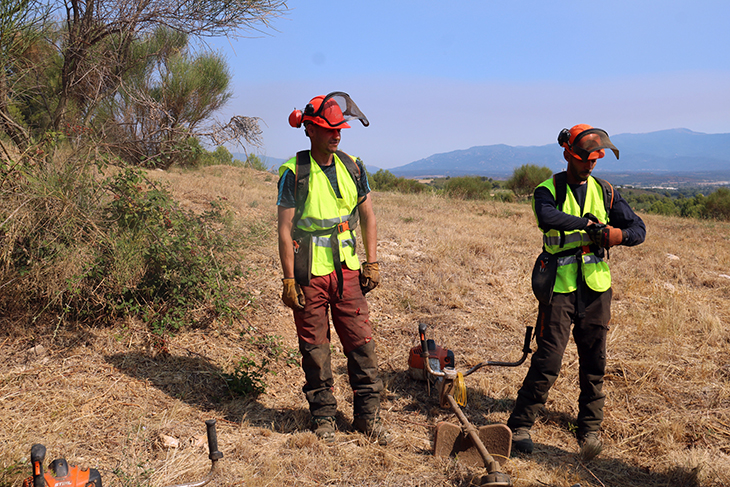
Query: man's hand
x=605, y=236
x=292, y=294
x=369, y=276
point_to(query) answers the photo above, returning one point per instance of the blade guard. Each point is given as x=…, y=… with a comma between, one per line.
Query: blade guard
x=416, y=368
x=450, y=441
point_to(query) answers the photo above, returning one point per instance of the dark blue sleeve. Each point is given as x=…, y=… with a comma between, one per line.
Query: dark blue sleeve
x=286, y=190
x=622, y=216
x=550, y=218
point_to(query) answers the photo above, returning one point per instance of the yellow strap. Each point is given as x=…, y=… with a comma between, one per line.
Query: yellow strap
x=460, y=390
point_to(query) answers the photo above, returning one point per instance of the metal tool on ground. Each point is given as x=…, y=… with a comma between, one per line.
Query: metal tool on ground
x=472, y=445
x=61, y=474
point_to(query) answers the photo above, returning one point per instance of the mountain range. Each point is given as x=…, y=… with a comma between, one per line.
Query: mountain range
x=666, y=151
x=674, y=155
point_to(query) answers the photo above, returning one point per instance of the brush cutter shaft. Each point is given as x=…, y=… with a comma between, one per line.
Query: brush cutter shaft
x=489, y=461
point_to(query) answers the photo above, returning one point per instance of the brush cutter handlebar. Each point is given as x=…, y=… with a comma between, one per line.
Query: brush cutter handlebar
x=214, y=456
x=450, y=373
x=525, y=352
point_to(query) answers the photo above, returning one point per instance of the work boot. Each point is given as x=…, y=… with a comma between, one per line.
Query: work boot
x=373, y=428
x=590, y=446
x=324, y=427
x=521, y=440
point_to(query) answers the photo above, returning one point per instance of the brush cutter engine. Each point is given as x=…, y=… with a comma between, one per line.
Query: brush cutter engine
x=439, y=358
x=60, y=473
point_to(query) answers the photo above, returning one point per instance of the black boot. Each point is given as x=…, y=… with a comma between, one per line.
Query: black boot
x=319, y=387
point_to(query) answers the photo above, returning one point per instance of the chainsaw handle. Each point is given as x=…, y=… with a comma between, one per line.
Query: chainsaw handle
x=37, y=455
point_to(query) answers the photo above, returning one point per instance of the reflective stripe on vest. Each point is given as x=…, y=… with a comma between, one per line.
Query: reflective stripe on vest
x=595, y=270
x=323, y=210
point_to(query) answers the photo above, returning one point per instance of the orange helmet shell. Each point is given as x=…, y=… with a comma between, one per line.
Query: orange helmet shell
x=330, y=116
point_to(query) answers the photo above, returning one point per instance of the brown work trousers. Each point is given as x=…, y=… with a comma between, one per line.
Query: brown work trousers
x=350, y=318
x=552, y=334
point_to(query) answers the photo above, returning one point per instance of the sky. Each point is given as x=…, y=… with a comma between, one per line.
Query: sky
x=434, y=77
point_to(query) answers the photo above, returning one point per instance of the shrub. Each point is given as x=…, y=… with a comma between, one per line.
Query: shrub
x=717, y=204
x=164, y=262
x=468, y=188
x=384, y=180
x=525, y=178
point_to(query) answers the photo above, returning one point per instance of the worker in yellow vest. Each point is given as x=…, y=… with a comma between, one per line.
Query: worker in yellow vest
x=581, y=217
x=323, y=194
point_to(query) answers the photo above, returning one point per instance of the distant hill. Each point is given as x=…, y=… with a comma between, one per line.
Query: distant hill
x=666, y=151
x=273, y=163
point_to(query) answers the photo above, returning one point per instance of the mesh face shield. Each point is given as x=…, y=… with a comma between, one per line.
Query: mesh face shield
x=590, y=144
x=333, y=111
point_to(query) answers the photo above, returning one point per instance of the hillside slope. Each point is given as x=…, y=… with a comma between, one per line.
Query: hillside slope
x=104, y=398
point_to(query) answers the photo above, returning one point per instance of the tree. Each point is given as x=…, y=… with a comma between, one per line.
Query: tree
x=97, y=48
x=525, y=179
x=163, y=101
x=21, y=26
x=717, y=204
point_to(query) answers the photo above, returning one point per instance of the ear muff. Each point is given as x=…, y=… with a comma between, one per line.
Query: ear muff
x=564, y=137
x=295, y=118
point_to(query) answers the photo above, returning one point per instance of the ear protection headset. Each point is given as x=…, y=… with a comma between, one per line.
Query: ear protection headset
x=564, y=137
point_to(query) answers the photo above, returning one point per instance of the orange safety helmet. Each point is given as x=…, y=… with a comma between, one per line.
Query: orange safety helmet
x=332, y=111
x=585, y=142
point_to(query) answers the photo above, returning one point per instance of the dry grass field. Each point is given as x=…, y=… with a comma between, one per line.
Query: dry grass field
x=102, y=398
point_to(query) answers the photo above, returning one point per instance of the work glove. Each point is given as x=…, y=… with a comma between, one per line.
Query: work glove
x=605, y=236
x=369, y=276
x=292, y=294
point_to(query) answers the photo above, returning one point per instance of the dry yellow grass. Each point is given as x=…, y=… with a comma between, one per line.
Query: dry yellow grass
x=100, y=398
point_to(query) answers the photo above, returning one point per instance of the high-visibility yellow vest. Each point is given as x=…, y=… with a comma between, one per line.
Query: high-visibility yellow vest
x=594, y=269
x=324, y=210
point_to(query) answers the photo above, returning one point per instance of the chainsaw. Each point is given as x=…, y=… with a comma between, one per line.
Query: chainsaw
x=61, y=474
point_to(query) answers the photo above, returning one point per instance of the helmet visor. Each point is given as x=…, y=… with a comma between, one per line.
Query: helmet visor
x=336, y=110
x=590, y=144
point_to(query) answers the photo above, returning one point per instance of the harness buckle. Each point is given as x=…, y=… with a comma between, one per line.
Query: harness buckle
x=296, y=246
x=343, y=227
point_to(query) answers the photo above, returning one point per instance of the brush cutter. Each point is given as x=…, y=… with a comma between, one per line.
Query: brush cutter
x=61, y=474
x=472, y=445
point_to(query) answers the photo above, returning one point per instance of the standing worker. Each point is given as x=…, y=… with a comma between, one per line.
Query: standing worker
x=322, y=194
x=580, y=217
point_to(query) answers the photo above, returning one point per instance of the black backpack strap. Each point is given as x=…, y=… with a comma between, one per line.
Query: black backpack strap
x=301, y=185
x=608, y=194
x=560, y=182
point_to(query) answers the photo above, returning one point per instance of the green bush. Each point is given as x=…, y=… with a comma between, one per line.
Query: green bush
x=384, y=180
x=525, y=179
x=468, y=188
x=717, y=204
x=164, y=262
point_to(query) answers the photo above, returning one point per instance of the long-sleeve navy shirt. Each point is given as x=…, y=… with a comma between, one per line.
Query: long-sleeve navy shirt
x=619, y=216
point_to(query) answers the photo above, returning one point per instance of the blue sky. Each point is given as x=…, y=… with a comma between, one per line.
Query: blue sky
x=435, y=77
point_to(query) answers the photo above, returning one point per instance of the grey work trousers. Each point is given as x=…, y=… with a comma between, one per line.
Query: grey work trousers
x=552, y=334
